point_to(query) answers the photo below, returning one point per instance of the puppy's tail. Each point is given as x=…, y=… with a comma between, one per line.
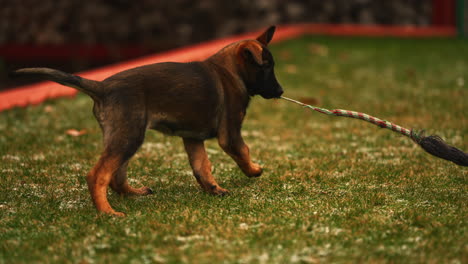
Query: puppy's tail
x=89, y=87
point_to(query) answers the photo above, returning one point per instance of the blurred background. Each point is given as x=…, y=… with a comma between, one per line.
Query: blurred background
x=75, y=35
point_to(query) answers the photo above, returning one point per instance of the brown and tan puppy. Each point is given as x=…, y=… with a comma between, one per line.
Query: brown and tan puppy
x=195, y=101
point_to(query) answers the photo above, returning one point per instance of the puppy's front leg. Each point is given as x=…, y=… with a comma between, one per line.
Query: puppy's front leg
x=233, y=144
x=201, y=166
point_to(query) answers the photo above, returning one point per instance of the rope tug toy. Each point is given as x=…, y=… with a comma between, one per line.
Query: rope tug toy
x=432, y=144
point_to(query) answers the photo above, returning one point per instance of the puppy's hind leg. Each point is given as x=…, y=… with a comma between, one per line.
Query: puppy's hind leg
x=99, y=178
x=120, y=184
x=121, y=143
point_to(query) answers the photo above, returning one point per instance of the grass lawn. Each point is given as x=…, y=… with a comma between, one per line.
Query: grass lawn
x=333, y=189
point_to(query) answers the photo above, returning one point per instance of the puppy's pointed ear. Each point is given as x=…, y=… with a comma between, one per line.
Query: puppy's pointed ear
x=266, y=37
x=251, y=55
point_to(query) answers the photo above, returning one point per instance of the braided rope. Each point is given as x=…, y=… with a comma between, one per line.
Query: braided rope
x=433, y=144
x=353, y=114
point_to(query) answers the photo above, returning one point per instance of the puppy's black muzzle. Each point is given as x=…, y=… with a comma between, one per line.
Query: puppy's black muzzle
x=274, y=93
x=280, y=92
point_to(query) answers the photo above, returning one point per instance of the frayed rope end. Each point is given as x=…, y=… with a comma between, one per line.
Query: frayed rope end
x=436, y=146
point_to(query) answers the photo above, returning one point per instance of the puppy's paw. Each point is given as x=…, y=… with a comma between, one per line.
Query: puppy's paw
x=145, y=191
x=119, y=214
x=138, y=191
x=255, y=171
x=113, y=213
x=216, y=190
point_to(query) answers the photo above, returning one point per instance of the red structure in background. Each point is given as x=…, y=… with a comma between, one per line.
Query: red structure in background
x=443, y=13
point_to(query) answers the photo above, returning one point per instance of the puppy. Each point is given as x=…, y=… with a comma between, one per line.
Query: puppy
x=195, y=101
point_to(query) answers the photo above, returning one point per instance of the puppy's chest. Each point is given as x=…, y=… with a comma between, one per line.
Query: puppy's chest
x=182, y=125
